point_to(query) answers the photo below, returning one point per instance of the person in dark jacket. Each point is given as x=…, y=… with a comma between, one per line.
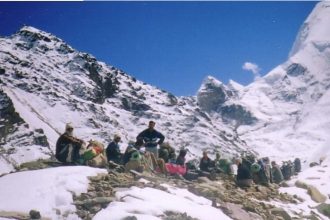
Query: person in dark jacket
x=151, y=138
x=206, y=164
x=113, y=150
x=243, y=178
x=262, y=177
x=277, y=173
x=181, y=159
x=68, y=146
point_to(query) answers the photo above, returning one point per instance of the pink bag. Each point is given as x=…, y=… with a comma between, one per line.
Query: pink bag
x=175, y=169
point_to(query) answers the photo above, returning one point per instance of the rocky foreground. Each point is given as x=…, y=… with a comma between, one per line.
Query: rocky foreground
x=249, y=204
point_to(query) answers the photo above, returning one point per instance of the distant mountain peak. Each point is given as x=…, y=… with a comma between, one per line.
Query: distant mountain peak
x=37, y=34
x=315, y=29
x=32, y=29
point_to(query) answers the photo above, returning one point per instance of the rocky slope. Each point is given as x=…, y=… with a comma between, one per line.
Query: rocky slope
x=47, y=84
x=282, y=115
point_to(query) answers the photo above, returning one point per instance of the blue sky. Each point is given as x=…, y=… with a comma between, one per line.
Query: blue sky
x=172, y=45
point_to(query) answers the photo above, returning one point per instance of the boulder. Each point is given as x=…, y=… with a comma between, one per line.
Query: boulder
x=34, y=214
x=203, y=179
x=280, y=212
x=13, y=215
x=316, y=195
x=313, y=164
x=301, y=184
x=236, y=211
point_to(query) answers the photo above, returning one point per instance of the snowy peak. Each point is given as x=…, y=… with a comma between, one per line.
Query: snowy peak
x=33, y=34
x=315, y=29
x=290, y=101
x=50, y=84
x=215, y=97
x=209, y=82
x=211, y=94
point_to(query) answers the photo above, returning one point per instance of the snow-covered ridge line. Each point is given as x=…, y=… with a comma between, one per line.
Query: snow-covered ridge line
x=281, y=115
x=52, y=84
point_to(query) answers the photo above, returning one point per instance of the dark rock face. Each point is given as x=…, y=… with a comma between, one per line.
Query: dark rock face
x=296, y=69
x=41, y=140
x=237, y=113
x=33, y=36
x=10, y=122
x=8, y=116
x=64, y=49
x=107, y=87
x=134, y=105
x=172, y=99
x=110, y=87
x=212, y=99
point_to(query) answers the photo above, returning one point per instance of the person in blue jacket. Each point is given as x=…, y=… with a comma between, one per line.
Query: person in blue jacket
x=151, y=138
x=113, y=150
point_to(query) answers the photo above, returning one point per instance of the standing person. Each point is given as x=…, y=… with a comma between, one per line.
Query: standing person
x=151, y=138
x=68, y=146
x=277, y=173
x=113, y=150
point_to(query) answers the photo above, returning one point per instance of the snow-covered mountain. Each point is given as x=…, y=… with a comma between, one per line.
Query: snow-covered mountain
x=45, y=83
x=291, y=102
x=285, y=113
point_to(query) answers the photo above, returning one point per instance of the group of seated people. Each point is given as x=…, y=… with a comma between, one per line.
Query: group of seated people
x=261, y=171
x=70, y=149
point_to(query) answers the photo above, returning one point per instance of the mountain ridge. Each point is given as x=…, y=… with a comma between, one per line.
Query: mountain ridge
x=280, y=115
x=50, y=84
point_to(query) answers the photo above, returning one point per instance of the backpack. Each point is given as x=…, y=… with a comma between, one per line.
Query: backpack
x=192, y=164
x=135, y=156
x=94, y=149
x=255, y=168
x=247, y=161
x=163, y=153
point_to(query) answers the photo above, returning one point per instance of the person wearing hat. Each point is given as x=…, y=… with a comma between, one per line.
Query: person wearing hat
x=113, y=150
x=68, y=146
x=151, y=138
